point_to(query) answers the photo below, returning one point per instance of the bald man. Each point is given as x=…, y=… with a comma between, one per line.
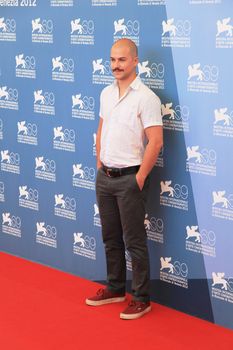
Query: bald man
x=129, y=139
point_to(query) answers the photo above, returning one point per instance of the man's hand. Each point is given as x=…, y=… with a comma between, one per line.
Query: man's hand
x=98, y=165
x=140, y=181
x=155, y=141
x=98, y=137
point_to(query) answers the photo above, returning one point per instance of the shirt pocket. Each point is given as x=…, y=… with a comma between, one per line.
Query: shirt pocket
x=129, y=116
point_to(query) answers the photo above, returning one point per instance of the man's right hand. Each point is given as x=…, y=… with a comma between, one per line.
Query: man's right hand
x=98, y=165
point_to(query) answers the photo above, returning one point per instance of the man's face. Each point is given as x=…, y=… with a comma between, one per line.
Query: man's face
x=123, y=63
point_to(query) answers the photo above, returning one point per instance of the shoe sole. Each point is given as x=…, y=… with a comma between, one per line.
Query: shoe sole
x=106, y=301
x=134, y=316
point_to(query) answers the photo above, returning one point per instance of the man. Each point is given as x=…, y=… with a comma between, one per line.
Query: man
x=130, y=116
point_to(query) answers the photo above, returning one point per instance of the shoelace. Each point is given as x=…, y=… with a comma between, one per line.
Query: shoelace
x=136, y=304
x=100, y=291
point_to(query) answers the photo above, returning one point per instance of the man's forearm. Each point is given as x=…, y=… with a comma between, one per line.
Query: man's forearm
x=98, y=162
x=149, y=159
x=98, y=144
x=155, y=142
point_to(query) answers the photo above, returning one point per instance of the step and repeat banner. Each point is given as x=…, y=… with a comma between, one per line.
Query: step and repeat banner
x=54, y=63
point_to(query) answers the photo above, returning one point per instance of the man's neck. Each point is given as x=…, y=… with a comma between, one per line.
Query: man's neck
x=124, y=84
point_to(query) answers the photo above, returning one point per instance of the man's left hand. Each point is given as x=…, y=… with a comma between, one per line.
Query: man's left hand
x=140, y=181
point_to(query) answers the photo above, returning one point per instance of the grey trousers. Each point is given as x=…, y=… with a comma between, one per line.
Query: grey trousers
x=122, y=213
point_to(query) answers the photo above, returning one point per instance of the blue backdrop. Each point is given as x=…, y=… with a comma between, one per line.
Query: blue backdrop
x=54, y=63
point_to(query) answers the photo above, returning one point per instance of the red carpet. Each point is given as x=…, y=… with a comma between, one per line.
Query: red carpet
x=42, y=308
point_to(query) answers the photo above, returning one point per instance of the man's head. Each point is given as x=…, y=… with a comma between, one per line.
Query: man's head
x=124, y=59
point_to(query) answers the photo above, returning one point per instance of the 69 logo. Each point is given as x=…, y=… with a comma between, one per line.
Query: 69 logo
x=8, y=25
x=12, y=221
x=47, y=231
x=28, y=62
x=9, y=95
x=101, y=67
x=85, y=103
x=47, y=99
x=86, y=173
x=154, y=224
x=90, y=242
x=178, y=268
x=65, y=65
x=207, y=73
x=68, y=135
x=84, y=241
x=65, y=203
x=29, y=194
x=51, y=232
x=131, y=27
x=10, y=158
x=209, y=156
x=208, y=237
x=183, y=28
x=33, y=195
x=179, y=113
x=182, y=112
x=204, y=156
x=178, y=191
x=44, y=27
x=210, y=73
x=86, y=27
x=88, y=103
x=155, y=70
x=205, y=237
x=28, y=129
x=47, y=165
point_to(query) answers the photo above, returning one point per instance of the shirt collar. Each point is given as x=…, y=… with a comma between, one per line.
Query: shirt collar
x=134, y=85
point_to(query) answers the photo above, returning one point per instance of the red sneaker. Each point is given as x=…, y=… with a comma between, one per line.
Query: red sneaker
x=135, y=309
x=105, y=296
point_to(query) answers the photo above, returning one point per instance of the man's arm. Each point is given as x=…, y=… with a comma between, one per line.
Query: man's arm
x=155, y=142
x=98, y=138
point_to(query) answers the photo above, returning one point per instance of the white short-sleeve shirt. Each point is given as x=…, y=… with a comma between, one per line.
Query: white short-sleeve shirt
x=123, y=138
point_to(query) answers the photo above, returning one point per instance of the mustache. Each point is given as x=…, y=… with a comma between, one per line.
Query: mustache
x=117, y=70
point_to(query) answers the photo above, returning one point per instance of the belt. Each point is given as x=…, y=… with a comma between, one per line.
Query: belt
x=116, y=172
